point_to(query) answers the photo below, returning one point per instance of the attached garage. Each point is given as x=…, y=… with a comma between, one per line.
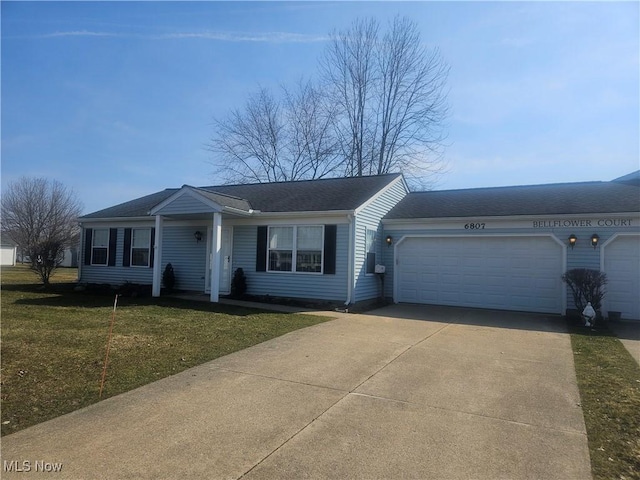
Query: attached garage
x=507, y=248
x=520, y=273
x=621, y=263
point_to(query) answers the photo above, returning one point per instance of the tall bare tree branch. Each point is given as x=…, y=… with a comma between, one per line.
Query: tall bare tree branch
x=381, y=108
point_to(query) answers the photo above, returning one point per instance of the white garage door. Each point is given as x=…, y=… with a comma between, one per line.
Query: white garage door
x=507, y=273
x=622, y=266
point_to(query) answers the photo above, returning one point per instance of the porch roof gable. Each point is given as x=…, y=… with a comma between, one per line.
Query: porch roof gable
x=190, y=200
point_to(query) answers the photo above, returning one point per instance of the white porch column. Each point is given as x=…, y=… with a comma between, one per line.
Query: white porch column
x=215, y=253
x=157, y=258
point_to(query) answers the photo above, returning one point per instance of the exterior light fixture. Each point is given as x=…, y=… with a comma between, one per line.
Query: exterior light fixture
x=389, y=240
x=572, y=240
x=594, y=240
x=198, y=236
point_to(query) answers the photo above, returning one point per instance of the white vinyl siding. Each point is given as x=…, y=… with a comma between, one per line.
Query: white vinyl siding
x=367, y=286
x=291, y=284
x=187, y=256
x=116, y=275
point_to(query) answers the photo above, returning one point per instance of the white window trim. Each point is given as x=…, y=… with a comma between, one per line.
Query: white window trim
x=294, y=251
x=140, y=248
x=93, y=238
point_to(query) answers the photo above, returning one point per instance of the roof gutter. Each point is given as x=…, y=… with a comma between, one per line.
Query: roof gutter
x=305, y=213
x=528, y=216
x=83, y=220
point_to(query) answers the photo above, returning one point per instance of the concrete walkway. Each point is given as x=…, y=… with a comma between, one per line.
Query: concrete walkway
x=405, y=392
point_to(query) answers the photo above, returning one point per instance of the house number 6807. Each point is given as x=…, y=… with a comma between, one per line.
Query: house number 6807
x=474, y=226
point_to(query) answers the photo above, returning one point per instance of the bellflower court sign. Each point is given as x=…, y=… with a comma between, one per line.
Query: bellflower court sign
x=584, y=223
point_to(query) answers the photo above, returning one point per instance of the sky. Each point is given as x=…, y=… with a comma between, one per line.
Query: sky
x=118, y=99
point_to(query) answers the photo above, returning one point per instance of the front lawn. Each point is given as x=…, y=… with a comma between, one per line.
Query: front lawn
x=54, y=342
x=609, y=383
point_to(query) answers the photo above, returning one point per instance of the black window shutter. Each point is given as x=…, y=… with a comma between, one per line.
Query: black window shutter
x=330, y=233
x=151, y=247
x=113, y=236
x=88, y=237
x=126, y=255
x=261, y=250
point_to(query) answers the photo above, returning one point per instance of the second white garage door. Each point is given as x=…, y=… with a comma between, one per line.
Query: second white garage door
x=506, y=273
x=622, y=266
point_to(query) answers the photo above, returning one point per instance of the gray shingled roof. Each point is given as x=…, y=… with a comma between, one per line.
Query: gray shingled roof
x=332, y=194
x=554, y=199
x=135, y=208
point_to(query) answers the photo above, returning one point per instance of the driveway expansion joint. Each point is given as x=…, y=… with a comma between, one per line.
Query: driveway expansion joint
x=282, y=379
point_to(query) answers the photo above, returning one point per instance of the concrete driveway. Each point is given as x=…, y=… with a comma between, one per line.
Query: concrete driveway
x=402, y=392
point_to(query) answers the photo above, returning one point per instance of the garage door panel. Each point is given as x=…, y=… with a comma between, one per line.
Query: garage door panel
x=622, y=266
x=512, y=273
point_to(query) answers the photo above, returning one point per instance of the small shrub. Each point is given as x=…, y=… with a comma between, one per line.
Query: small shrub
x=169, y=278
x=134, y=290
x=238, y=284
x=586, y=286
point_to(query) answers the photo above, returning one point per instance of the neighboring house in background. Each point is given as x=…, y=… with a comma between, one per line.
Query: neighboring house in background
x=503, y=248
x=71, y=254
x=8, y=249
x=70, y=258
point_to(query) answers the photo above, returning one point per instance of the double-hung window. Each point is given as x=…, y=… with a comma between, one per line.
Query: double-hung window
x=370, y=249
x=280, y=249
x=295, y=249
x=100, y=246
x=309, y=242
x=140, y=247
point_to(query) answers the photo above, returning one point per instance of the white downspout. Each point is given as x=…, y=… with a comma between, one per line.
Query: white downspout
x=216, y=249
x=157, y=258
x=81, y=251
x=351, y=258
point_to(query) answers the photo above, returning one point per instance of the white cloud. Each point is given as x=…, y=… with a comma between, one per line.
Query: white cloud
x=79, y=33
x=265, y=37
x=268, y=37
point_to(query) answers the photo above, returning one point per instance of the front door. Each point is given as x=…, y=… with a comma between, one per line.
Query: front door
x=225, y=256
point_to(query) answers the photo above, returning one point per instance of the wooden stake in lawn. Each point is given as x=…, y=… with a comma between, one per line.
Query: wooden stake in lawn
x=106, y=357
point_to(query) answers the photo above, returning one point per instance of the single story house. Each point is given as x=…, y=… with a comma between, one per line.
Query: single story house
x=502, y=248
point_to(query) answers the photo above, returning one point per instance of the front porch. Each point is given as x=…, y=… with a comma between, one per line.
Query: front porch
x=205, y=213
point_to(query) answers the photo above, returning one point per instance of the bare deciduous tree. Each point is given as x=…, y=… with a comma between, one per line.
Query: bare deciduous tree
x=40, y=215
x=278, y=139
x=348, y=69
x=410, y=99
x=249, y=142
x=381, y=108
x=392, y=94
x=312, y=144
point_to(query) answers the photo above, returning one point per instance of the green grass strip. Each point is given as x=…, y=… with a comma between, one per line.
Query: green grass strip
x=609, y=382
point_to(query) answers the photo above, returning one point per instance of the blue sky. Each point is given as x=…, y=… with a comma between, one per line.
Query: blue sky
x=117, y=99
